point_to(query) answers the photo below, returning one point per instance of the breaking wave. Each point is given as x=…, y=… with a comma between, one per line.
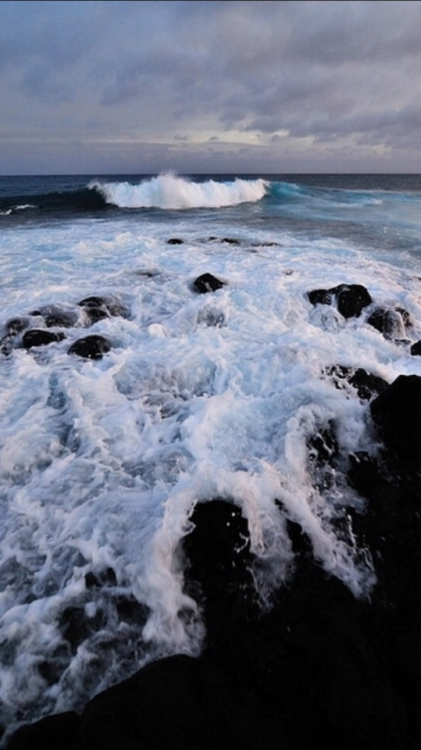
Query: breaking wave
x=168, y=191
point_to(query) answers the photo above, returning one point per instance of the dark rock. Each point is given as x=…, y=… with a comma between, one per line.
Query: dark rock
x=406, y=316
x=97, y=308
x=61, y=318
x=104, y=577
x=93, y=314
x=16, y=325
x=396, y=413
x=350, y=298
x=90, y=347
x=13, y=327
x=415, y=349
x=323, y=453
x=148, y=273
x=39, y=337
x=366, y=384
x=309, y=672
x=117, y=310
x=76, y=626
x=364, y=472
x=209, y=317
x=56, y=316
x=320, y=297
x=221, y=567
x=225, y=240
x=130, y=610
x=92, y=302
x=382, y=320
x=126, y=717
x=6, y=345
x=48, y=734
x=175, y=241
x=323, y=445
x=320, y=668
x=388, y=321
x=207, y=283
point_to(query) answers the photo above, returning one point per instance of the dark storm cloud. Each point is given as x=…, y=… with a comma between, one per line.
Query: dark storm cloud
x=262, y=79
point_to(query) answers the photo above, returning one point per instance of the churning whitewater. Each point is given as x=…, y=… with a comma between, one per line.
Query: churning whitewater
x=197, y=397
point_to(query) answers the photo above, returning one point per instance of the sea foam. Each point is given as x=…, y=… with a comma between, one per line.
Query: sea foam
x=201, y=396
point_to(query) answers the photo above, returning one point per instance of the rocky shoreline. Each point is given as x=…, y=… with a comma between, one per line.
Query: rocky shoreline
x=320, y=668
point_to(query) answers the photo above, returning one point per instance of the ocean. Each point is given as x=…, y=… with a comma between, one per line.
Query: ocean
x=193, y=395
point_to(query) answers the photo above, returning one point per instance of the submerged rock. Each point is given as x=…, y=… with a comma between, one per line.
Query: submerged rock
x=12, y=329
x=61, y=318
x=56, y=316
x=98, y=308
x=16, y=325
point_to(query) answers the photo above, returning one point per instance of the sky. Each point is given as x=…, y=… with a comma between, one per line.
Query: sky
x=210, y=87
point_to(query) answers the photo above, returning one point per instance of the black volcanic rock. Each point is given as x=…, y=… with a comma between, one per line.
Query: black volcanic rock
x=387, y=321
x=396, y=413
x=218, y=551
x=98, y=308
x=350, y=299
x=90, y=347
x=39, y=337
x=56, y=316
x=320, y=297
x=207, y=282
x=13, y=327
x=365, y=383
x=51, y=733
x=415, y=349
x=92, y=302
x=16, y=325
x=319, y=669
x=61, y=318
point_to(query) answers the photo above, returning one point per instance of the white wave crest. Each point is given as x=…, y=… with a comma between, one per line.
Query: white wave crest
x=13, y=209
x=168, y=191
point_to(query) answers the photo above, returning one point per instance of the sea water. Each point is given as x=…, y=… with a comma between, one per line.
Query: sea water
x=201, y=396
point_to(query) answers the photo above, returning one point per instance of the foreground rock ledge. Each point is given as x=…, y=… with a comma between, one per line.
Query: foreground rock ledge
x=321, y=669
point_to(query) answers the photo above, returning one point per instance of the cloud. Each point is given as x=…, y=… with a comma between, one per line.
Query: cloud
x=100, y=74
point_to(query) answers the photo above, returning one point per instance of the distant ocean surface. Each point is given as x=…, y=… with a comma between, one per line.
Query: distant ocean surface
x=195, y=397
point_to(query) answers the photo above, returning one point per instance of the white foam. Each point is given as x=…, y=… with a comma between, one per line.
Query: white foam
x=168, y=191
x=200, y=396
